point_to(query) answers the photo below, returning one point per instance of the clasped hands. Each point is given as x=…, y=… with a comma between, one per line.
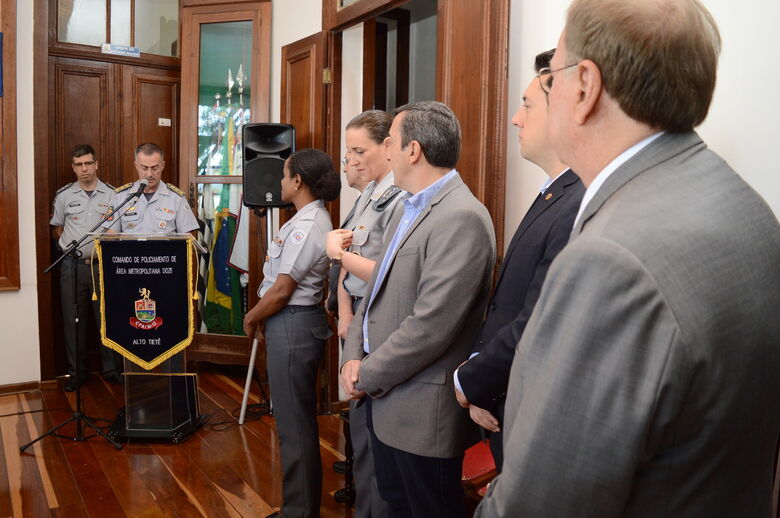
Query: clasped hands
x=350, y=373
x=336, y=241
x=482, y=417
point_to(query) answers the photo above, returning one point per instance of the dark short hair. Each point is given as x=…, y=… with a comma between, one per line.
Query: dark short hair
x=81, y=150
x=376, y=122
x=149, y=148
x=435, y=127
x=317, y=172
x=543, y=59
x=657, y=59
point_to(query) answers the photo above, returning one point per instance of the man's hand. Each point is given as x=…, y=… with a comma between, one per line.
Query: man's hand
x=484, y=418
x=350, y=373
x=336, y=241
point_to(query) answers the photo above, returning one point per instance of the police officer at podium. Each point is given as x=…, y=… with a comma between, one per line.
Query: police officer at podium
x=78, y=207
x=161, y=208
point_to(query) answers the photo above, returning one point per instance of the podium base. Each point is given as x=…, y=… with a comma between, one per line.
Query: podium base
x=119, y=432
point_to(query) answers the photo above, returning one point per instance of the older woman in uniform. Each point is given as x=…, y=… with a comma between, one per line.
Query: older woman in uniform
x=296, y=326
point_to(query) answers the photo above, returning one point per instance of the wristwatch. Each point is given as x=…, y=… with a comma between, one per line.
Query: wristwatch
x=336, y=259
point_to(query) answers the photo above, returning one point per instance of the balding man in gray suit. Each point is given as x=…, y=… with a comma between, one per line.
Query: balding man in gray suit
x=646, y=381
x=416, y=324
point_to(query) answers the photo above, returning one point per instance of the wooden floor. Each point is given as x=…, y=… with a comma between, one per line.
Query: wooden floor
x=230, y=473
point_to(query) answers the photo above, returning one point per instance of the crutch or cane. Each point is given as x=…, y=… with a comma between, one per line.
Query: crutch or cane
x=249, y=369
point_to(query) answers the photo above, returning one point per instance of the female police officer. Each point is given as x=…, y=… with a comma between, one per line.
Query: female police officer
x=295, y=324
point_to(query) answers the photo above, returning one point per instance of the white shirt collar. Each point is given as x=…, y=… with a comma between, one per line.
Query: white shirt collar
x=605, y=173
x=549, y=181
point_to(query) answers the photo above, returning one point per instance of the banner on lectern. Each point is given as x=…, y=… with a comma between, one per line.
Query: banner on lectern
x=146, y=292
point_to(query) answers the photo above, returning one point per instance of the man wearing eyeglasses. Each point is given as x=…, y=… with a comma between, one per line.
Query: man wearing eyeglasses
x=77, y=208
x=161, y=208
x=481, y=382
x=646, y=382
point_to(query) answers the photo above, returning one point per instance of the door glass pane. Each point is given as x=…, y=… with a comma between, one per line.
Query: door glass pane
x=223, y=95
x=120, y=22
x=157, y=26
x=223, y=277
x=344, y=3
x=82, y=21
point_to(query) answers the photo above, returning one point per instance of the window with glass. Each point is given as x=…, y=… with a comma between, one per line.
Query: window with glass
x=223, y=95
x=150, y=25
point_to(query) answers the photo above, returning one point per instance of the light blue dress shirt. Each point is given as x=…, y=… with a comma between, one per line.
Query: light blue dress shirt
x=413, y=206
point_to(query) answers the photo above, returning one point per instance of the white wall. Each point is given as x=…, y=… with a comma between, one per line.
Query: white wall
x=351, y=98
x=291, y=20
x=742, y=125
x=19, y=309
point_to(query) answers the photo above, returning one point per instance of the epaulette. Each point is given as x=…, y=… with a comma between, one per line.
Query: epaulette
x=64, y=188
x=124, y=187
x=387, y=196
x=175, y=189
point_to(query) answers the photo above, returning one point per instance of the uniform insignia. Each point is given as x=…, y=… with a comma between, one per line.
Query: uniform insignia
x=175, y=189
x=64, y=188
x=124, y=187
x=362, y=227
x=387, y=196
x=161, y=224
x=297, y=237
x=166, y=210
x=75, y=204
x=549, y=195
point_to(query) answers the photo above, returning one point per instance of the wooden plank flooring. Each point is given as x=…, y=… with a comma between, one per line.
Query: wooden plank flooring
x=215, y=473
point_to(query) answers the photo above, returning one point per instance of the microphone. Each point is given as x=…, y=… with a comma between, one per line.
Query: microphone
x=141, y=186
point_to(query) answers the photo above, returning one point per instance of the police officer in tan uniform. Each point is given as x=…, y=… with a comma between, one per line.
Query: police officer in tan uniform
x=77, y=208
x=296, y=328
x=161, y=209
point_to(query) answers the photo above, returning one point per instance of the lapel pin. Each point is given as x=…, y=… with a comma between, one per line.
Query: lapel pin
x=549, y=195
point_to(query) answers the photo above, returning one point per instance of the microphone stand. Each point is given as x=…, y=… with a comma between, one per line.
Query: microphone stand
x=78, y=415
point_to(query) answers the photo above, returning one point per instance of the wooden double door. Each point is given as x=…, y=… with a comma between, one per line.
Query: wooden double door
x=113, y=107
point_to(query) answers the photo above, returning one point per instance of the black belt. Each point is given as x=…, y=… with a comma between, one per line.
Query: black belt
x=82, y=261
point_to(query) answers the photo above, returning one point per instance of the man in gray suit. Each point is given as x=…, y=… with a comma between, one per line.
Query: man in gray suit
x=646, y=381
x=416, y=324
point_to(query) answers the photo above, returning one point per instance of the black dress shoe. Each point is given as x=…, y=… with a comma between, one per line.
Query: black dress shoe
x=340, y=467
x=72, y=385
x=114, y=379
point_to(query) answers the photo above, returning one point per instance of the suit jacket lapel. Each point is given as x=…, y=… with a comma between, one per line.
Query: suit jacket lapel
x=448, y=188
x=542, y=202
x=661, y=149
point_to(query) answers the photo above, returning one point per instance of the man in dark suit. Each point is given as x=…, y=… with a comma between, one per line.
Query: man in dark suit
x=419, y=317
x=646, y=380
x=481, y=382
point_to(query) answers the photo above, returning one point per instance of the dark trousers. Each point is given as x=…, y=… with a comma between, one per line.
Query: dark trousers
x=416, y=486
x=295, y=340
x=85, y=306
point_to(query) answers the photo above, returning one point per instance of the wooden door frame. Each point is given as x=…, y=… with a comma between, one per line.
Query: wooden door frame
x=10, y=279
x=493, y=81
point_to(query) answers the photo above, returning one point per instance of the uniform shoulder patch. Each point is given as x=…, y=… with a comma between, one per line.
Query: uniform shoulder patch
x=123, y=187
x=387, y=196
x=175, y=189
x=64, y=188
x=298, y=236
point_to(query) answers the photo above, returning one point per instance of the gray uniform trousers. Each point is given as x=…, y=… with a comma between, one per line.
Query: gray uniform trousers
x=368, y=502
x=295, y=340
x=85, y=305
